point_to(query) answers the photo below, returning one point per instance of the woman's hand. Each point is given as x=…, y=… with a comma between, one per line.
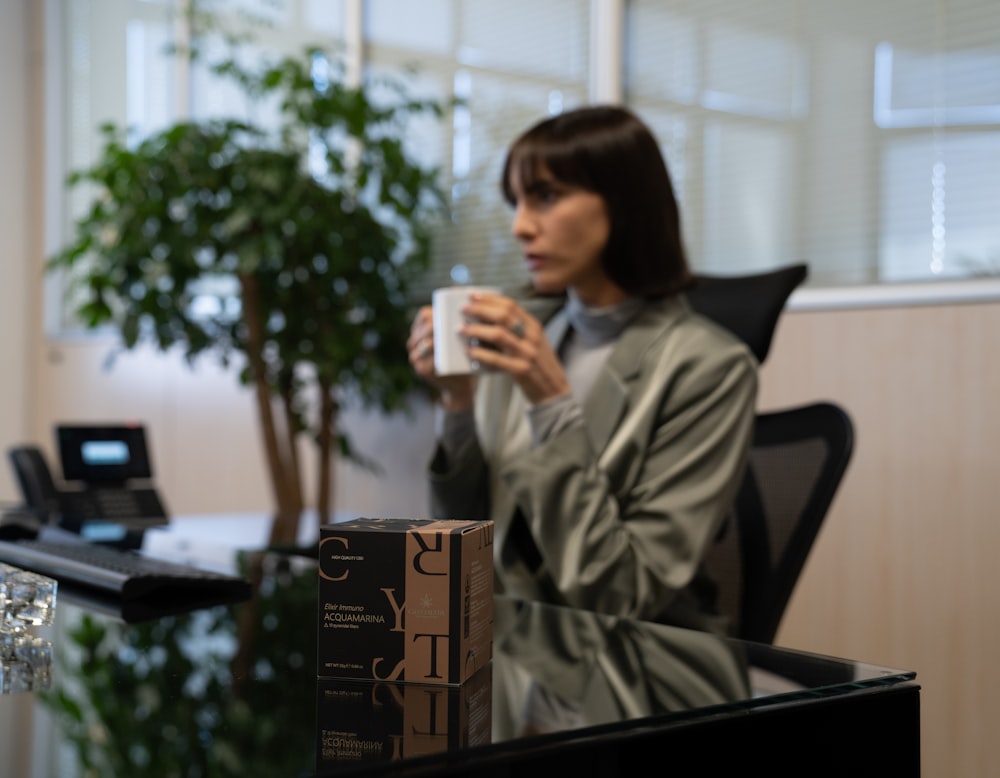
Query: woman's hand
x=503, y=336
x=456, y=390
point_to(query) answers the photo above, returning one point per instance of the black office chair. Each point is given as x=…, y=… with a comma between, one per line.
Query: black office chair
x=747, y=305
x=797, y=461
x=784, y=497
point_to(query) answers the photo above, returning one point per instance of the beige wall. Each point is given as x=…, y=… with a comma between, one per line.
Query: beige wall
x=205, y=442
x=16, y=191
x=16, y=194
x=906, y=571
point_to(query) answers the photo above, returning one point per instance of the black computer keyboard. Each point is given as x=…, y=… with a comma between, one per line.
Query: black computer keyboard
x=126, y=575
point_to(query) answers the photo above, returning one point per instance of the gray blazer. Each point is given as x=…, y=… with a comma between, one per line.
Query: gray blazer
x=615, y=514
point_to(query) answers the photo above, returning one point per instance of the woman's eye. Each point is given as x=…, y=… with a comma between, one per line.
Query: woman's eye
x=546, y=195
x=540, y=195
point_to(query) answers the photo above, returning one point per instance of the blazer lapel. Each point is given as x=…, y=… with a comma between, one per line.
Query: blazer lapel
x=608, y=399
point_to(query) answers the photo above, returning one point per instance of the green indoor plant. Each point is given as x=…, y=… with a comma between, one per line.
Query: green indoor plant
x=307, y=239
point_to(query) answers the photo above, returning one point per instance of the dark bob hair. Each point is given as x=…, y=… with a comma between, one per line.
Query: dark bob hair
x=611, y=152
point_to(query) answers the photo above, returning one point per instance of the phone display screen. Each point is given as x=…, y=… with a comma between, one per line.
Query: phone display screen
x=93, y=453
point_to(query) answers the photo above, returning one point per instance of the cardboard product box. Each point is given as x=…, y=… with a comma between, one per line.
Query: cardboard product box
x=405, y=600
x=365, y=722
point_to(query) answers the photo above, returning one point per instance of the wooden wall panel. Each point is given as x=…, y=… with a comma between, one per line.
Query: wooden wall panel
x=906, y=571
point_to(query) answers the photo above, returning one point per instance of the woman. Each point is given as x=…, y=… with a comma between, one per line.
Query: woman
x=607, y=430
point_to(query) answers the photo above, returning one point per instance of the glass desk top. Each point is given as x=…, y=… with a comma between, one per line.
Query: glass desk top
x=232, y=689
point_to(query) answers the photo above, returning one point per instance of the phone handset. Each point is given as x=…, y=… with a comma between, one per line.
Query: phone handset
x=35, y=478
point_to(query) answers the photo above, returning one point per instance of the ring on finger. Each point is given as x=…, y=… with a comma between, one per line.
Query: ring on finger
x=517, y=328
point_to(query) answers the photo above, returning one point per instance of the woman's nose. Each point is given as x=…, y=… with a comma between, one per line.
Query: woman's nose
x=523, y=225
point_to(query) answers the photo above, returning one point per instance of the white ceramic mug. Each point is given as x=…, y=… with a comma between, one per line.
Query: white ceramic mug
x=450, y=357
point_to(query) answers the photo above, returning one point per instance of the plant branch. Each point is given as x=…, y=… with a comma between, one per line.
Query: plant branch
x=285, y=527
x=329, y=409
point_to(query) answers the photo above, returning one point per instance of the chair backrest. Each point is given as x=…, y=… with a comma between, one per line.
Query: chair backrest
x=747, y=305
x=798, y=458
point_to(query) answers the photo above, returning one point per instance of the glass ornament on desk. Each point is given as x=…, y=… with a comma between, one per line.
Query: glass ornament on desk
x=26, y=599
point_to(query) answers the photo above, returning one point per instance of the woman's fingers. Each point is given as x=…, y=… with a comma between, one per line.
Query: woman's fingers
x=493, y=308
x=420, y=344
x=498, y=322
x=503, y=336
x=499, y=340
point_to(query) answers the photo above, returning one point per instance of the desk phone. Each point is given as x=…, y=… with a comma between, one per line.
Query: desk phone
x=106, y=477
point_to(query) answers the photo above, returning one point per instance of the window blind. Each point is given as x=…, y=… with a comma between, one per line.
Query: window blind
x=861, y=137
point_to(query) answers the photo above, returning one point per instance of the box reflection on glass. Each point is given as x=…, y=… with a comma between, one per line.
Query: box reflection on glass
x=405, y=600
x=25, y=663
x=26, y=599
x=361, y=722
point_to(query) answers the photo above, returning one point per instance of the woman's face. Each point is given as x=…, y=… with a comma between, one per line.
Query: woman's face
x=562, y=230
